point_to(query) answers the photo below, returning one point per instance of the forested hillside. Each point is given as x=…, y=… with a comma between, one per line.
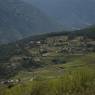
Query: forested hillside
x=19, y=19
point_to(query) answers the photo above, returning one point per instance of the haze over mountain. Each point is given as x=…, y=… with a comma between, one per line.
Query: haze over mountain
x=70, y=13
x=19, y=19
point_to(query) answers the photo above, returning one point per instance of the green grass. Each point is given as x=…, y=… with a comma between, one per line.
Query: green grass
x=76, y=82
x=77, y=78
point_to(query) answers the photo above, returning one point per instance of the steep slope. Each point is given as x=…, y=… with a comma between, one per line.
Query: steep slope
x=71, y=13
x=19, y=19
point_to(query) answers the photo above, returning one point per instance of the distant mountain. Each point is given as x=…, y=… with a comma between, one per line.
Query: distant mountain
x=72, y=14
x=19, y=19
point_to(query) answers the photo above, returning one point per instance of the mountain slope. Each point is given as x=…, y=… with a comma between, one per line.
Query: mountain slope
x=19, y=19
x=24, y=55
x=71, y=13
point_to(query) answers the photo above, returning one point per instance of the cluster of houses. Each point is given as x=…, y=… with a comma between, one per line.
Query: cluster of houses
x=56, y=45
x=65, y=44
x=10, y=83
x=51, y=46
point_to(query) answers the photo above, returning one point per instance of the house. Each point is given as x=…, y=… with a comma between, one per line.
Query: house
x=37, y=59
x=45, y=54
x=10, y=81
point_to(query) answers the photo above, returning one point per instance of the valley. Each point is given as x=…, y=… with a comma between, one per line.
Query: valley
x=39, y=61
x=47, y=47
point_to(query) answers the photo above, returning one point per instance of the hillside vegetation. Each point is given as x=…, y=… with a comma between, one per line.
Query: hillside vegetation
x=50, y=64
x=76, y=80
x=45, y=51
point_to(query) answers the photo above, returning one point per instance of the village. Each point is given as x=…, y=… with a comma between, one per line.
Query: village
x=55, y=47
x=52, y=50
x=61, y=44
